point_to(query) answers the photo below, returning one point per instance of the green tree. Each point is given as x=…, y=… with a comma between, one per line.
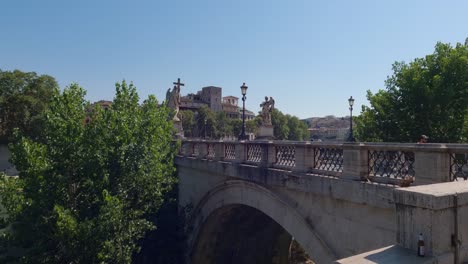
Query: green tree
x=252, y=125
x=223, y=125
x=88, y=192
x=427, y=96
x=280, y=124
x=297, y=129
x=23, y=98
x=206, y=122
x=188, y=122
x=378, y=122
x=236, y=127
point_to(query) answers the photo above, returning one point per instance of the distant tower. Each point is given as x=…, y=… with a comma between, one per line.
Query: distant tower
x=212, y=96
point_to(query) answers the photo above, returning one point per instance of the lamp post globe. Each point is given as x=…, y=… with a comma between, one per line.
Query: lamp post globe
x=351, y=103
x=244, y=87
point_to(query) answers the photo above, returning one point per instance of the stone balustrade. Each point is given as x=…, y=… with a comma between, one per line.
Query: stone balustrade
x=391, y=163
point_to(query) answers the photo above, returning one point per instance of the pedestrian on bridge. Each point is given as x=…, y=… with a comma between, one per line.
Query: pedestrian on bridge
x=423, y=139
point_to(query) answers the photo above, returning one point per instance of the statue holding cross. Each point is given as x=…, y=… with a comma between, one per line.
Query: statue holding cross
x=173, y=99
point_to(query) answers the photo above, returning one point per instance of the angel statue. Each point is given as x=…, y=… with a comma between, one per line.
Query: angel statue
x=173, y=101
x=267, y=107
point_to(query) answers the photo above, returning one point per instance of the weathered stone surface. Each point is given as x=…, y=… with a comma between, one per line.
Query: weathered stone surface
x=331, y=209
x=332, y=212
x=265, y=132
x=431, y=167
x=388, y=255
x=436, y=211
x=354, y=162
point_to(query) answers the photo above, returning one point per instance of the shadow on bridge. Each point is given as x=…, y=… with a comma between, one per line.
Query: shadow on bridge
x=241, y=222
x=241, y=234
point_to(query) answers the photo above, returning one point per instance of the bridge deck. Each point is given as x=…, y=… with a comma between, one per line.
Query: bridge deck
x=388, y=255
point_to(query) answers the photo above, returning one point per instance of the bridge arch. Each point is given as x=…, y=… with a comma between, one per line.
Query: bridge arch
x=240, y=195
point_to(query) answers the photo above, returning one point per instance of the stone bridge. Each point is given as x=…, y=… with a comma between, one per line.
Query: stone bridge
x=245, y=201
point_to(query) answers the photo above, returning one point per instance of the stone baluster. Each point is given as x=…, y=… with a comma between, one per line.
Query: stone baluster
x=188, y=149
x=355, y=161
x=268, y=154
x=219, y=151
x=241, y=152
x=190, y=146
x=431, y=164
x=304, y=158
x=202, y=149
x=182, y=148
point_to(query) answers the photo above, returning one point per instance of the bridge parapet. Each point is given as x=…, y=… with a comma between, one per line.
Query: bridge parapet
x=392, y=163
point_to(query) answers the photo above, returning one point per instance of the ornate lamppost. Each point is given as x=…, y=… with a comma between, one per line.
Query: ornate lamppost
x=351, y=103
x=244, y=92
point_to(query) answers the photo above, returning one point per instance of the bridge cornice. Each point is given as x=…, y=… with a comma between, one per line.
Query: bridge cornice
x=360, y=192
x=389, y=163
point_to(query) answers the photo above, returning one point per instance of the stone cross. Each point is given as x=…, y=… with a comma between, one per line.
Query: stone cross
x=178, y=83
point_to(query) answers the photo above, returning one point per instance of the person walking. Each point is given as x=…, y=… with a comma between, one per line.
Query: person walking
x=423, y=139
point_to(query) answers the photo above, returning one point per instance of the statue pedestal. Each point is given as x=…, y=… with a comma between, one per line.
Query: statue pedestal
x=265, y=132
x=179, y=129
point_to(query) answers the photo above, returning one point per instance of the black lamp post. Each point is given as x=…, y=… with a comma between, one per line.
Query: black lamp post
x=244, y=92
x=351, y=103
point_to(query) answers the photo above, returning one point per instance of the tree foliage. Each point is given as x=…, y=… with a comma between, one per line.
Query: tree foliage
x=427, y=96
x=219, y=125
x=23, y=98
x=88, y=192
x=298, y=130
x=223, y=125
x=252, y=125
x=288, y=127
x=188, y=122
x=280, y=124
x=236, y=127
x=206, y=122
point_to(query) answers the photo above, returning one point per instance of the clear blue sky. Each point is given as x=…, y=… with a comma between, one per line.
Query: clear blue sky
x=309, y=55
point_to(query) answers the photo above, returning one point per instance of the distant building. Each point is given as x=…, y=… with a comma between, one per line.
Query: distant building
x=191, y=102
x=211, y=96
x=328, y=128
x=103, y=103
x=232, y=110
x=230, y=106
x=328, y=134
x=249, y=115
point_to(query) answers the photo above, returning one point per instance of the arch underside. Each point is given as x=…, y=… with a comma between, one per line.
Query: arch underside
x=242, y=222
x=241, y=234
